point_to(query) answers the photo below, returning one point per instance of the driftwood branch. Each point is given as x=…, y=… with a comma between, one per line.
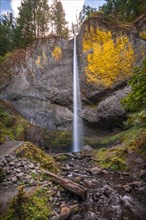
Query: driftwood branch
x=68, y=184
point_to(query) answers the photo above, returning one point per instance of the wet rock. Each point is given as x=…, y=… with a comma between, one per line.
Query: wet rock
x=76, y=217
x=143, y=174
x=142, y=190
x=127, y=188
x=91, y=216
x=136, y=183
x=95, y=170
x=74, y=208
x=64, y=213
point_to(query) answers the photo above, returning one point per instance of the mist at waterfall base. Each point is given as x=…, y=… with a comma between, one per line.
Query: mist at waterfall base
x=77, y=121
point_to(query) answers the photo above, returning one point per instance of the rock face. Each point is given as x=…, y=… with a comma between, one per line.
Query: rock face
x=40, y=86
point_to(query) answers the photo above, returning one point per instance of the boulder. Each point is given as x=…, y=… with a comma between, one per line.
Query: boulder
x=95, y=170
x=64, y=213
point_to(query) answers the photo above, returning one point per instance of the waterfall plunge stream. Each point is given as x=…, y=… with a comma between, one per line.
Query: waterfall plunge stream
x=77, y=121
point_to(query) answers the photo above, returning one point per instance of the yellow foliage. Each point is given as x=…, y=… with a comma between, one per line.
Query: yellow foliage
x=57, y=53
x=142, y=34
x=109, y=59
x=41, y=60
x=38, y=60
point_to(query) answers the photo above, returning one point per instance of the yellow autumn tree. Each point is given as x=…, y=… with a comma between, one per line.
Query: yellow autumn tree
x=57, y=53
x=108, y=59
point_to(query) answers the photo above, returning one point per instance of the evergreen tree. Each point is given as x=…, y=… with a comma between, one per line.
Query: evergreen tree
x=7, y=28
x=128, y=10
x=58, y=20
x=86, y=12
x=33, y=21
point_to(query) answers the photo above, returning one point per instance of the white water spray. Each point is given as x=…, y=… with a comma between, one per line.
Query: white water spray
x=77, y=122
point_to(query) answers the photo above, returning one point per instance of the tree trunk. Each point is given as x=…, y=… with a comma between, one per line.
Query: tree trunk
x=68, y=185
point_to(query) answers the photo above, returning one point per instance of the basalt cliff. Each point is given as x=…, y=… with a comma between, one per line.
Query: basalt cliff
x=41, y=87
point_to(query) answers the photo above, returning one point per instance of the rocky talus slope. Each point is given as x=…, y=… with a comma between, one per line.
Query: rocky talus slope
x=111, y=195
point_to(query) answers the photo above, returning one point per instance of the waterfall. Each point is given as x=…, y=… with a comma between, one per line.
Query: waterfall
x=77, y=121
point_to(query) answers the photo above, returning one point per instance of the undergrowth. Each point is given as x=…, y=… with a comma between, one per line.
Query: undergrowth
x=33, y=153
x=31, y=205
x=115, y=158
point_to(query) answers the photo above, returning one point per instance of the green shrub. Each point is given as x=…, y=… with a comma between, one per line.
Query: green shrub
x=136, y=119
x=136, y=100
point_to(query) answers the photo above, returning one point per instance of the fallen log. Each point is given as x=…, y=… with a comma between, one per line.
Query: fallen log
x=69, y=185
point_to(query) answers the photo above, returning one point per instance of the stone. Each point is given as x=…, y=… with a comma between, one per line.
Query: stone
x=34, y=172
x=95, y=170
x=11, y=164
x=136, y=183
x=18, y=164
x=65, y=213
x=88, y=183
x=32, y=183
x=55, y=217
x=77, y=179
x=105, y=172
x=8, y=171
x=31, y=166
x=91, y=216
x=14, y=179
x=74, y=208
x=87, y=148
x=142, y=190
x=18, y=170
x=76, y=217
x=20, y=175
x=127, y=188
x=143, y=174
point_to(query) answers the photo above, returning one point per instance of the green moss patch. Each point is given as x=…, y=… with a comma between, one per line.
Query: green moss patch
x=130, y=141
x=113, y=158
x=12, y=124
x=27, y=206
x=126, y=137
x=33, y=153
x=58, y=138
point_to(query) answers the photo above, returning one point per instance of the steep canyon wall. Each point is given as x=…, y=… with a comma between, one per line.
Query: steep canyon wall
x=40, y=85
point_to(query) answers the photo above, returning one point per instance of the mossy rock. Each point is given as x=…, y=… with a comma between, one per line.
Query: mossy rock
x=116, y=158
x=12, y=124
x=33, y=153
x=29, y=205
x=113, y=158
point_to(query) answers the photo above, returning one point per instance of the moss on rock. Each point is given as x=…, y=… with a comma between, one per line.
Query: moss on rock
x=113, y=158
x=33, y=153
x=29, y=205
x=12, y=124
x=130, y=141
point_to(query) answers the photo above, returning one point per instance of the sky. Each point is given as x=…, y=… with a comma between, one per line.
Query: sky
x=72, y=7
